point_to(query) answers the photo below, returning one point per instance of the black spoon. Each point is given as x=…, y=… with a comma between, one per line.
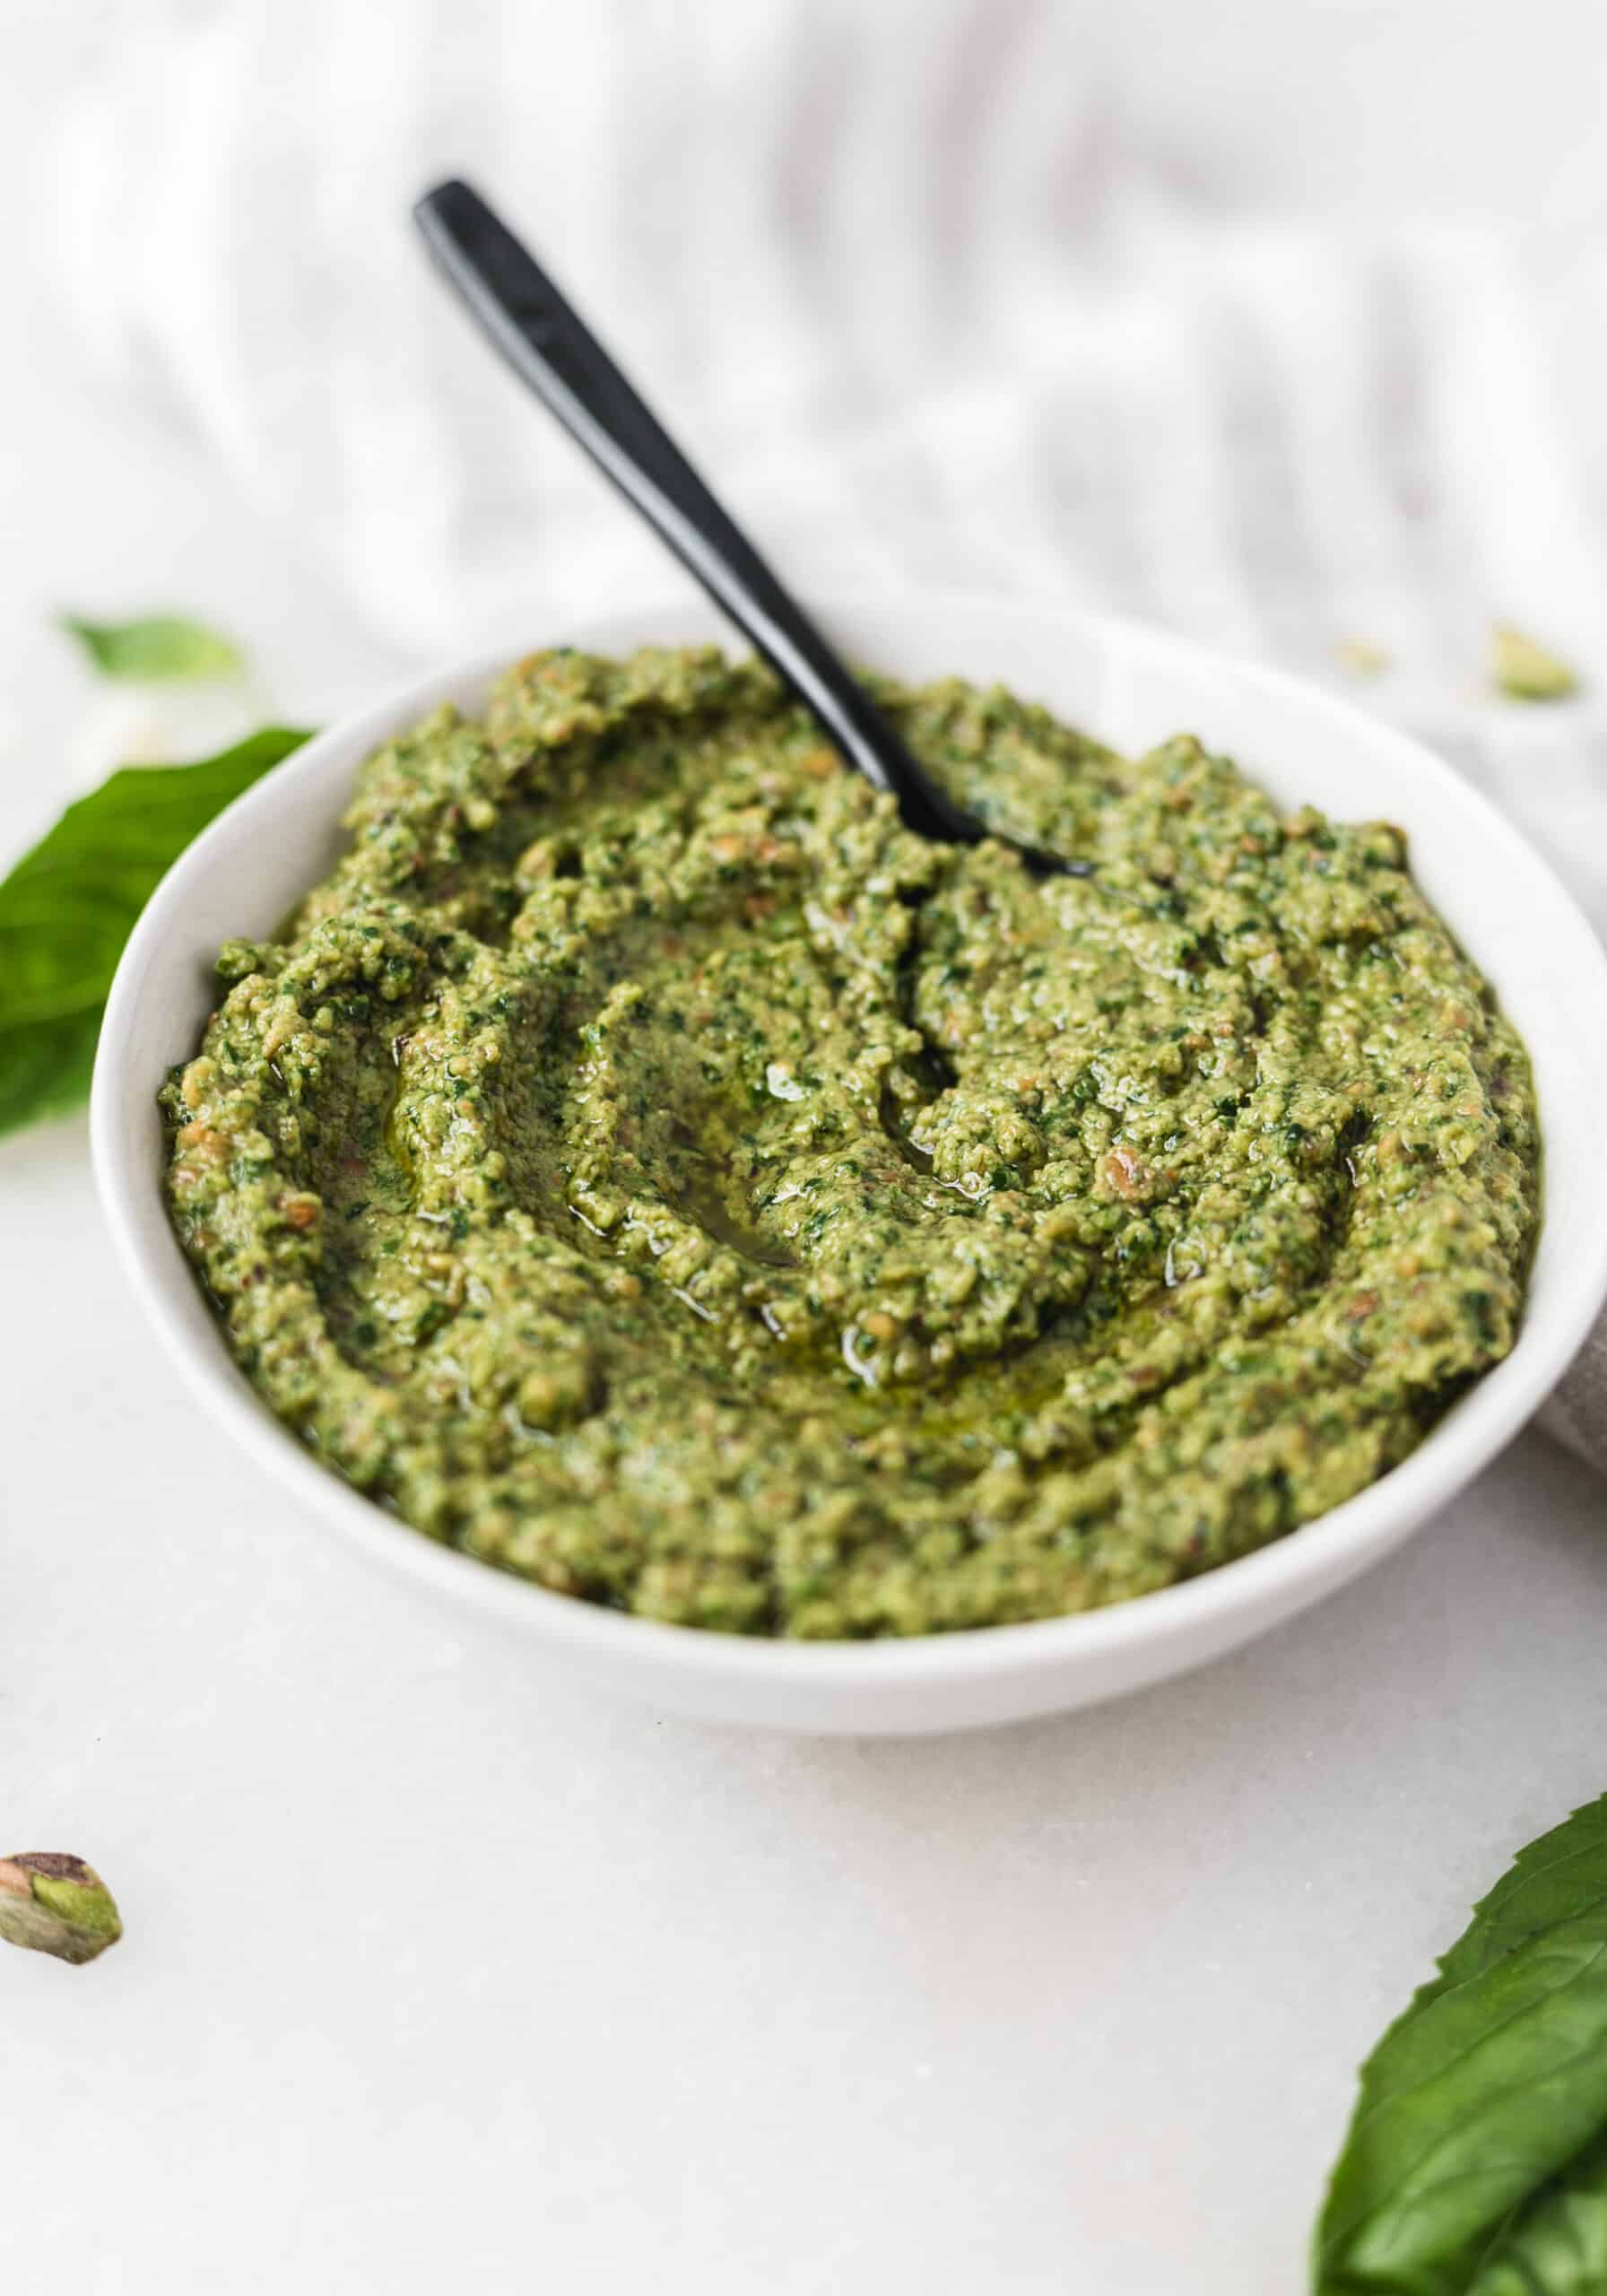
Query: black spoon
x=549, y=348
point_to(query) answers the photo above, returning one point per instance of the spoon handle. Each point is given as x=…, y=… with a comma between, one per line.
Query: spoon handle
x=549, y=348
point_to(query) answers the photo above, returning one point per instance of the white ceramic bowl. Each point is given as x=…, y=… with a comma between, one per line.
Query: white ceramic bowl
x=1131, y=687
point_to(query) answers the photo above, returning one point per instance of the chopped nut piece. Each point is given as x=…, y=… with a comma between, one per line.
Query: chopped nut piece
x=1522, y=668
x=54, y=1903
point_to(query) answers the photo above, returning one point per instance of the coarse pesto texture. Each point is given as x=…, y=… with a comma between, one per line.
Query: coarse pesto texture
x=645, y=1166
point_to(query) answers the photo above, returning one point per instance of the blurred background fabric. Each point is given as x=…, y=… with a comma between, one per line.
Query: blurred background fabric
x=954, y=291
x=931, y=283
x=1283, y=327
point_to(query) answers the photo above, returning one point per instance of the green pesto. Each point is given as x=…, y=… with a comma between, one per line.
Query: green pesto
x=645, y=1166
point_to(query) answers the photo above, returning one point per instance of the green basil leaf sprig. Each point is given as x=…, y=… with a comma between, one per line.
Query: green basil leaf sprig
x=1476, y=2162
x=69, y=905
x=156, y=646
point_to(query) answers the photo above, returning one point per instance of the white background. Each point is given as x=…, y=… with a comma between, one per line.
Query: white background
x=441, y=1974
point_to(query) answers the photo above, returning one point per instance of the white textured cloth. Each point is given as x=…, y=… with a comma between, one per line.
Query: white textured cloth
x=924, y=305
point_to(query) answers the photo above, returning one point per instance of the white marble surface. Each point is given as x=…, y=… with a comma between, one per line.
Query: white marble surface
x=439, y=1974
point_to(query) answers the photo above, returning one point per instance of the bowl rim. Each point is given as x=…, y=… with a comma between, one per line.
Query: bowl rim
x=1276, y=1578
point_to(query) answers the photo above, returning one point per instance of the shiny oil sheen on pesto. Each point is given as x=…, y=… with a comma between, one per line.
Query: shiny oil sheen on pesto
x=645, y=1166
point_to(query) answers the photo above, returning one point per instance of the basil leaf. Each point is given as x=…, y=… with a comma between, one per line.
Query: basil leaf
x=45, y=1066
x=1559, y=2243
x=1476, y=2162
x=161, y=646
x=69, y=905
